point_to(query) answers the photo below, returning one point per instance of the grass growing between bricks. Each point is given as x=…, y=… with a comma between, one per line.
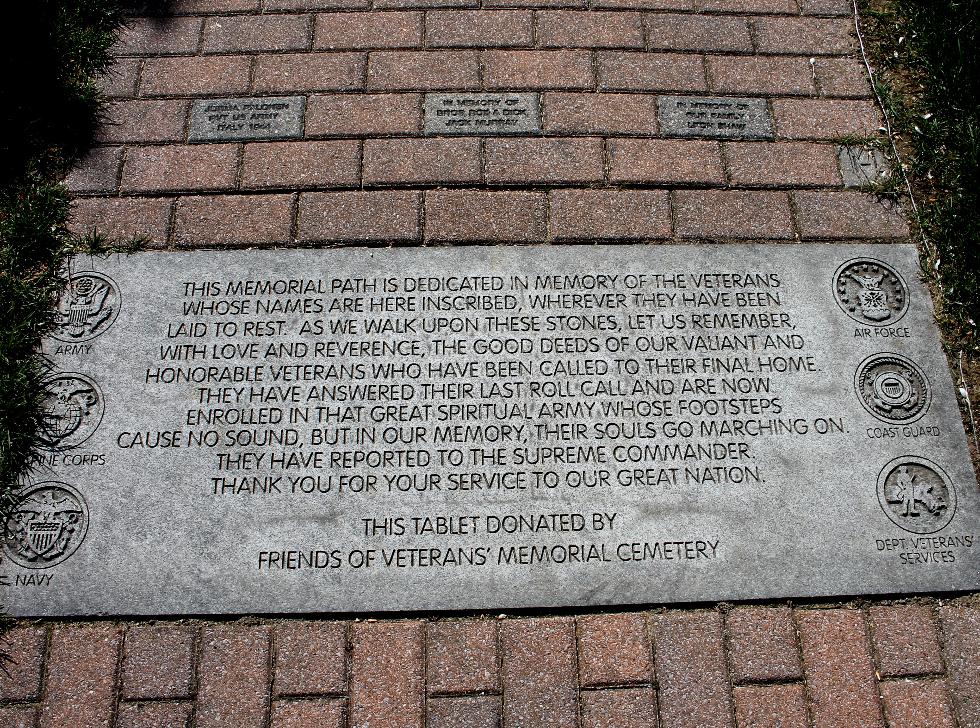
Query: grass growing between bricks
x=50, y=112
x=925, y=57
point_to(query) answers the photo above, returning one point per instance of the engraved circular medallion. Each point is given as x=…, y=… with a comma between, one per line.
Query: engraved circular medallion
x=73, y=409
x=870, y=292
x=46, y=525
x=916, y=494
x=88, y=306
x=892, y=388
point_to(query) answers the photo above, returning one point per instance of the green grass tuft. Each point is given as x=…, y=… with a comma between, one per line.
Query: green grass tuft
x=928, y=52
x=50, y=110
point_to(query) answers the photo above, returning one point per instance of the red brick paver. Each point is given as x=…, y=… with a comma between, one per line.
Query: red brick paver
x=159, y=662
x=770, y=706
x=387, y=675
x=763, y=644
x=311, y=659
x=914, y=703
x=691, y=670
x=540, y=684
x=839, y=670
x=80, y=682
x=25, y=647
x=234, y=677
x=463, y=657
x=905, y=640
x=614, y=649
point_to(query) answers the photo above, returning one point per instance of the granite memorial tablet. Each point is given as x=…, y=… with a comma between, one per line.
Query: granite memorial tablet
x=482, y=113
x=259, y=117
x=271, y=431
x=716, y=117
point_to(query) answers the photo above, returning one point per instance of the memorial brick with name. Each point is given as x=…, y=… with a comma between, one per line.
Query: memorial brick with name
x=717, y=117
x=482, y=113
x=371, y=429
x=260, y=117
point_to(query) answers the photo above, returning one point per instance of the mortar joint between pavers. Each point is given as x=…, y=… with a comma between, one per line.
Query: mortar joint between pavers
x=423, y=693
x=672, y=202
x=169, y=232
x=360, y=164
x=866, y=628
x=794, y=218
x=294, y=218
x=239, y=165
x=501, y=672
x=271, y=654
x=807, y=697
x=952, y=694
x=117, y=676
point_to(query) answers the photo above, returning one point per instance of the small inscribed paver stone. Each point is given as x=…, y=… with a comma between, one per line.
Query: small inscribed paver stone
x=488, y=114
x=717, y=117
x=266, y=117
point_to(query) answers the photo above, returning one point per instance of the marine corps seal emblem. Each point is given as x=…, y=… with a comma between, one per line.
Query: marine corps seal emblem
x=73, y=409
x=916, y=495
x=871, y=292
x=892, y=388
x=46, y=525
x=88, y=306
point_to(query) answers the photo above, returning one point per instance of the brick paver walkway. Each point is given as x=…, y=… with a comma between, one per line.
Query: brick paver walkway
x=900, y=665
x=601, y=170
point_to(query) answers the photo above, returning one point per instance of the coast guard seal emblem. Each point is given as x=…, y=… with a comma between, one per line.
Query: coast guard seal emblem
x=46, y=526
x=892, y=388
x=73, y=409
x=916, y=495
x=870, y=292
x=88, y=306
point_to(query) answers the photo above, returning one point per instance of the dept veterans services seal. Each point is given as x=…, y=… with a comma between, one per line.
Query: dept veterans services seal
x=916, y=494
x=46, y=525
x=892, y=388
x=73, y=409
x=870, y=292
x=88, y=306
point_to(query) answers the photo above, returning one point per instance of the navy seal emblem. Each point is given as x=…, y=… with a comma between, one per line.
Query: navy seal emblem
x=46, y=525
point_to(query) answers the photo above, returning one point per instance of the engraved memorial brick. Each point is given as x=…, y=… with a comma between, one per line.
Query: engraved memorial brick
x=488, y=114
x=714, y=117
x=274, y=431
x=258, y=117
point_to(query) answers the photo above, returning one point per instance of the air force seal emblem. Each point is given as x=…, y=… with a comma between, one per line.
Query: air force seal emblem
x=870, y=292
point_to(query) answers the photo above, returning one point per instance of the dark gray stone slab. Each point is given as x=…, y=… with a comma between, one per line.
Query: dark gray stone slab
x=257, y=117
x=490, y=428
x=482, y=113
x=862, y=166
x=716, y=117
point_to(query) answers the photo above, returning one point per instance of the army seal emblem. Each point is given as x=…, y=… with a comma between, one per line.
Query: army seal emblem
x=892, y=388
x=46, y=525
x=73, y=409
x=88, y=306
x=870, y=292
x=916, y=495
